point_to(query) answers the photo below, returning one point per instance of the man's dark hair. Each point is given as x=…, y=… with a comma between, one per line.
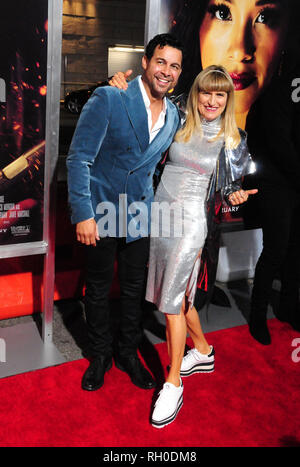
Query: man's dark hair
x=162, y=40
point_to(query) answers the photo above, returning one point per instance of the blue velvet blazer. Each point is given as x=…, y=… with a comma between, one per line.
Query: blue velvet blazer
x=110, y=155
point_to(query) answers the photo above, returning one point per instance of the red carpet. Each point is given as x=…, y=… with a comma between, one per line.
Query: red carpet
x=252, y=399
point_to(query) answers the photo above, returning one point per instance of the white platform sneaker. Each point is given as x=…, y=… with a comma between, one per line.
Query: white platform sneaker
x=168, y=404
x=196, y=362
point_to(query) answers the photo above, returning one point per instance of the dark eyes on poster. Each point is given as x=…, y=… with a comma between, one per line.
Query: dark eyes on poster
x=23, y=92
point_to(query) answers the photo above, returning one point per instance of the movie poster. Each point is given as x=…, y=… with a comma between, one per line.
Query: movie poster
x=254, y=41
x=23, y=77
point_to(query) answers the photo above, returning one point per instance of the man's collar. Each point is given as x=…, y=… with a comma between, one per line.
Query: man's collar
x=146, y=98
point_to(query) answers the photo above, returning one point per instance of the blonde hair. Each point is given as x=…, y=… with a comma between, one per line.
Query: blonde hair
x=211, y=79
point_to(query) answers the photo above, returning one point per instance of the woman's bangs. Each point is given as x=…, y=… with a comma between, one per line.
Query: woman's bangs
x=215, y=82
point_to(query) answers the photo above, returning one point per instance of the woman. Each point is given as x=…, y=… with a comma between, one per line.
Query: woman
x=250, y=38
x=258, y=42
x=209, y=155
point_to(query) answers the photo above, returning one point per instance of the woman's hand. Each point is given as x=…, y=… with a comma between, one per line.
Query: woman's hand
x=119, y=80
x=241, y=196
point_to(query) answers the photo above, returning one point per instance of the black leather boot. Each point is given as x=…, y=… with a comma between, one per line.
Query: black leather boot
x=258, y=328
x=136, y=371
x=93, y=378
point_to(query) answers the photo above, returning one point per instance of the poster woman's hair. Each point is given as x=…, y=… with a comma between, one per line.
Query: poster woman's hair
x=187, y=17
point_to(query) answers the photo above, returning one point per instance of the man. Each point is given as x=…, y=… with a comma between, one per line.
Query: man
x=118, y=141
x=277, y=152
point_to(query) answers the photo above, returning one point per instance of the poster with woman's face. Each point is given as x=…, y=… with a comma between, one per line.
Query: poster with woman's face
x=248, y=37
x=253, y=39
x=23, y=74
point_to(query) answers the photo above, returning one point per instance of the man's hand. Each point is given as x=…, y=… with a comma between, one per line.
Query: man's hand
x=87, y=232
x=241, y=196
x=119, y=80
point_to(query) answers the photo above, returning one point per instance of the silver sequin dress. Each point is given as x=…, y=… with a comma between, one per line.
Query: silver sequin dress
x=178, y=234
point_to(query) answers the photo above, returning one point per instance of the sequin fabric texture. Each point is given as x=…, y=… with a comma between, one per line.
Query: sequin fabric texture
x=178, y=225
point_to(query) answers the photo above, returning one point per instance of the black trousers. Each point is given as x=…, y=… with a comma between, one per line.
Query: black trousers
x=132, y=260
x=280, y=257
